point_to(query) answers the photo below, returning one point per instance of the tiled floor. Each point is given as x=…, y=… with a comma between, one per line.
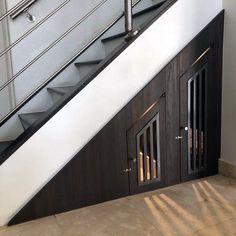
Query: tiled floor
x=202, y=207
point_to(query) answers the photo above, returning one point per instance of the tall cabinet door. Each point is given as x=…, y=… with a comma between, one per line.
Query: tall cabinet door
x=146, y=150
x=197, y=120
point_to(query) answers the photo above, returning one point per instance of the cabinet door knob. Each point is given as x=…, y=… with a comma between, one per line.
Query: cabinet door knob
x=127, y=170
x=184, y=128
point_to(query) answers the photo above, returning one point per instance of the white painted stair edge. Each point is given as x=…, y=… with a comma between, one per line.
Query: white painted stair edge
x=36, y=162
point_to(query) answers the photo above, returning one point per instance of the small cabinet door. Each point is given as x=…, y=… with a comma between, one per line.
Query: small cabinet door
x=146, y=150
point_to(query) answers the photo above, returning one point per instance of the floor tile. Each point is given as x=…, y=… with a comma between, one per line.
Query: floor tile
x=227, y=228
x=42, y=227
x=113, y=218
x=202, y=207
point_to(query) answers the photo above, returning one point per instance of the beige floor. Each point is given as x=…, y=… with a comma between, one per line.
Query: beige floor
x=203, y=207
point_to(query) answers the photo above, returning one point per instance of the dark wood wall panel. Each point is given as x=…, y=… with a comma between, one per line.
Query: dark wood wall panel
x=96, y=174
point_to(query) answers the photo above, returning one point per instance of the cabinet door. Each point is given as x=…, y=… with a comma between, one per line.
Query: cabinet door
x=146, y=150
x=196, y=120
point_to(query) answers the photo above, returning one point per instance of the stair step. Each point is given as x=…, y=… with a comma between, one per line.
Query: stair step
x=85, y=67
x=30, y=118
x=4, y=145
x=87, y=63
x=116, y=36
x=147, y=10
x=60, y=90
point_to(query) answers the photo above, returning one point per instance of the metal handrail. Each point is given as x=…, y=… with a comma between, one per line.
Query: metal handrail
x=61, y=69
x=12, y=10
x=52, y=45
x=34, y=28
x=22, y=8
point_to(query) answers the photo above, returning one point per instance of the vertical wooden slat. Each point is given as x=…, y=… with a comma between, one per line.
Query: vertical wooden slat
x=194, y=121
x=140, y=159
x=148, y=152
x=158, y=146
x=200, y=122
x=145, y=154
x=204, y=81
x=155, y=164
x=190, y=128
x=197, y=121
x=152, y=151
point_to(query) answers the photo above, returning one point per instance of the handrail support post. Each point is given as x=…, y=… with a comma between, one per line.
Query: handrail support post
x=129, y=20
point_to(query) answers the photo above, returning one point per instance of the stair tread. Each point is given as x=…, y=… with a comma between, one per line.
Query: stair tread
x=28, y=119
x=92, y=62
x=60, y=90
x=115, y=36
x=151, y=8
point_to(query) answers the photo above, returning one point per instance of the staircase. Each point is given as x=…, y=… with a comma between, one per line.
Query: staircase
x=112, y=70
x=143, y=13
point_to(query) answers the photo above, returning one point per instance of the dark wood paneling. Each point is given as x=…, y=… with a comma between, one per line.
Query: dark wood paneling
x=96, y=174
x=172, y=123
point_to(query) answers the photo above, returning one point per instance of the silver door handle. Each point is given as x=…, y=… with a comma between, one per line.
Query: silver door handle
x=178, y=137
x=127, y=170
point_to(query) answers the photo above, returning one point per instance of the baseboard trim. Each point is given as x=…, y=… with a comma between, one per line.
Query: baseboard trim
x=227, y=169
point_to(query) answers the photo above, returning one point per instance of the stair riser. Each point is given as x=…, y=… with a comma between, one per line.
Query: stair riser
x=85, y=69
x=55, y=97
x=94, y=51
x=117, y=28
x=112, y=44
x=142, y=5
x=139, y=20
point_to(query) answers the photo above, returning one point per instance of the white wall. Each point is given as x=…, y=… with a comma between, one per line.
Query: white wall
x=57, y=142
x=229, y=84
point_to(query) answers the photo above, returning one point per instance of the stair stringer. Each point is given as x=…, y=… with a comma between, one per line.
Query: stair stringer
x=39, y=159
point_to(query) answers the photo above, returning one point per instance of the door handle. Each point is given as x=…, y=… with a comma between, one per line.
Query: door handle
x=178, y=137
x=127, y=170
x=184, y=128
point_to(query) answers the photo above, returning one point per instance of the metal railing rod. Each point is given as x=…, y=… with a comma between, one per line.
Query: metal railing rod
x=34, y=28
x=61, y=69
x=12, y=10
x=22, y=8
x=52, y=45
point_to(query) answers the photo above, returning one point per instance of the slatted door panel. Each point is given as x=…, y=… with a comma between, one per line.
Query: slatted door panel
x=146, y=150
x=199, y=125
x=193, y=122
x=196, y=121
